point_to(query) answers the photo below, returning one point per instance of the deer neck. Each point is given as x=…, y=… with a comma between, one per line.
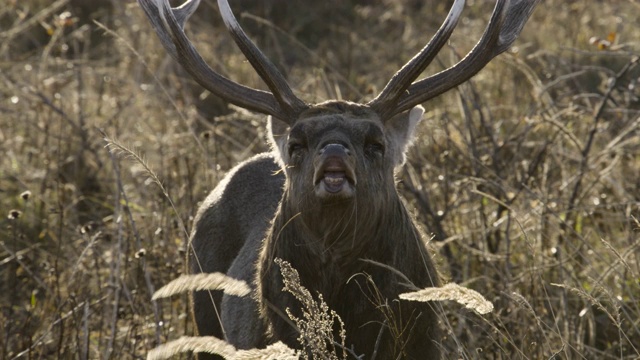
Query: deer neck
x=342, y=234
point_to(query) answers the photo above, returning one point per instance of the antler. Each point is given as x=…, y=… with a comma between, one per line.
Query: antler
x=169, y=25
x=505, y=25
x=400, y=93
x=411, y=70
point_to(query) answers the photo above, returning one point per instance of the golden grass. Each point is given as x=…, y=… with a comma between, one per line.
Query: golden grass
x=196, y=282
x=471, y=299
x=212, y=345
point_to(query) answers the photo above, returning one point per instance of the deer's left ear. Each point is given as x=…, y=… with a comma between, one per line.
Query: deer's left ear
x=401, y=130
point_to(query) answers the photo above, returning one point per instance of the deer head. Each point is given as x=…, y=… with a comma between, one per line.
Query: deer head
x=338, y=151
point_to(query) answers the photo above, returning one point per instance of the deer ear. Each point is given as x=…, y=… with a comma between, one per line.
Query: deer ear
x=277, y=131
x=401, y=130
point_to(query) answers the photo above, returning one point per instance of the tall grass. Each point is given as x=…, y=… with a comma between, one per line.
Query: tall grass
x=527, y=176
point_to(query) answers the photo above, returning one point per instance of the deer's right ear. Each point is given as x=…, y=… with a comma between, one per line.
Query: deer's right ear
x=277, y=131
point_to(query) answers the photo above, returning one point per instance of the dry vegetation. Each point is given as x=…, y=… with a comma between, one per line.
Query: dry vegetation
x=528, y=176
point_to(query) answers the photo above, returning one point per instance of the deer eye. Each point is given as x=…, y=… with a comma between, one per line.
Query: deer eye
x=295, y=148
x=374, y=148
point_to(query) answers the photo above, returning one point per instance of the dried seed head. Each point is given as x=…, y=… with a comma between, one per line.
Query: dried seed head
x=87, y=228
x=25, y=195
x=14, y=214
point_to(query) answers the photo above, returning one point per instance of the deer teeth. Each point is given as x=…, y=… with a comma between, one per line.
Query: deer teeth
x=334, y=180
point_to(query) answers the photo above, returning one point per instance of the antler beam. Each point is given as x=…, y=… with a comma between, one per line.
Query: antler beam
x=506, y=23
x=399, y=83
x=265, y=68
x=169, y=25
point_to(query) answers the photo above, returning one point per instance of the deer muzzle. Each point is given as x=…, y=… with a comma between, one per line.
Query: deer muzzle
x=334, y=176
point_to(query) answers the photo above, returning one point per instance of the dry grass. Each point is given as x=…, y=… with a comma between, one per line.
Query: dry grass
x=318, y=322
x=212, y=345
x=471, y=299
x=527, y=176
x=196, y=282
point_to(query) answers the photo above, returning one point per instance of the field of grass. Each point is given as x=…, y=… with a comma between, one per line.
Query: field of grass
x=527, y=176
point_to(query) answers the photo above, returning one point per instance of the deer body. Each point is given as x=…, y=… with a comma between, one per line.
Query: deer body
x=326, y=236
x=227, y=214
x=324, y=199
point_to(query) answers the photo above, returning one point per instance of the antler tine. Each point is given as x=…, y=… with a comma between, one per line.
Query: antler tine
x=387, y=99
x=265, y=68
x=159, y=23
x=168, y=24
x=506, y=23
x=184, y=11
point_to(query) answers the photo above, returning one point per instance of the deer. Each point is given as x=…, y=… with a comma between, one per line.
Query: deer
x=325, y=198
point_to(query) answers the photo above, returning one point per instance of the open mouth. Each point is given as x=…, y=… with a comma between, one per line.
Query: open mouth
x=334, y=177
x=334, y=180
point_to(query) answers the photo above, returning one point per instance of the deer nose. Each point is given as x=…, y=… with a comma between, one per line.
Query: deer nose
x=334, y=149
